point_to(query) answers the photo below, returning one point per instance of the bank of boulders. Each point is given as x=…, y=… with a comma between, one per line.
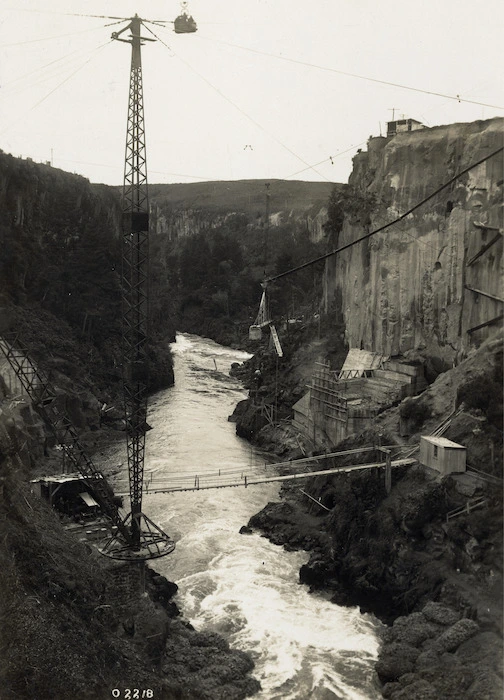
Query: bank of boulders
x=437, y=653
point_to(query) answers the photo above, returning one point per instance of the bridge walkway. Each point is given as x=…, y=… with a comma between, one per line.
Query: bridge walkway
x=265, y=473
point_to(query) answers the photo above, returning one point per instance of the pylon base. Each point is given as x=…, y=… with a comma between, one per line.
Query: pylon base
x=154, y=543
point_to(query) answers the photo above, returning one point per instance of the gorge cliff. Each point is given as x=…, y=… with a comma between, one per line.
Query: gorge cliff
x=180, y=210
x=60, y=287
x=409, y=289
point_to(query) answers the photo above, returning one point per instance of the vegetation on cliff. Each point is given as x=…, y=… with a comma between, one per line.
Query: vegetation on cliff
x=60, y=271
x=348, y=202
x=294, y=198
x=216, y=275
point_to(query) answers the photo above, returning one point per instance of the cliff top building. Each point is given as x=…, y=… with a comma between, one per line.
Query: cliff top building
x=400, y=125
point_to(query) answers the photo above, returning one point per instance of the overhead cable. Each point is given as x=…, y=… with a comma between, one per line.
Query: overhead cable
x=391, y=223
x=67, y=14
x=256, y=123
x=114, y=167
x=329, y=159
x=98, y=48
x=38, y=70
x=458, y=98
x=59, y=36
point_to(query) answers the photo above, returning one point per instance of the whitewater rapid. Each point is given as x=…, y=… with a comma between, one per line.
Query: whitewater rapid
x=242, y=586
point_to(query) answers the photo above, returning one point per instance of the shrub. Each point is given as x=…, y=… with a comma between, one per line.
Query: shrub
x=483, y=393
x=415, y=412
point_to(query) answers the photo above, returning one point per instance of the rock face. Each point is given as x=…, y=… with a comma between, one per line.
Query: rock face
x=60, y=275
x=406, y=289
x=452, y=658
x=181, y=210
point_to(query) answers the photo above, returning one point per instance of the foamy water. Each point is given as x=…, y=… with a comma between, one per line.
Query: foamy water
x=242, y=586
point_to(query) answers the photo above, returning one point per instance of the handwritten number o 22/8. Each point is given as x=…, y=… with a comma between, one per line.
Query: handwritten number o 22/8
x=133, y=693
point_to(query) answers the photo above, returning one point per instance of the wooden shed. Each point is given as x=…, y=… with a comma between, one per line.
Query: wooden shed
x=68, y=493
x=442, y=454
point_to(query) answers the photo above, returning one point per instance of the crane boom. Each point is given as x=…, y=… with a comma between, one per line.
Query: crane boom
x=43, y=395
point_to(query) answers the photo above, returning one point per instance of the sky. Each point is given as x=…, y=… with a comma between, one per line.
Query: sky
x=259, y=91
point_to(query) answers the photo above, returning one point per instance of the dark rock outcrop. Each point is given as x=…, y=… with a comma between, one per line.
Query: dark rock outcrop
x=455, y=660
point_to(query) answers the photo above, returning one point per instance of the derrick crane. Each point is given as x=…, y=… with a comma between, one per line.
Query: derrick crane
x=263, y=319
x=136, y=538
x=44, y=398
x=147, y=539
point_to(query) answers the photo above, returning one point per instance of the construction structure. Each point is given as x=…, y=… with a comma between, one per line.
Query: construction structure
x=263, y=319
x=147, y=540
x=133, y=537
x=339, y=404
x=403, y=125
x=51, y=407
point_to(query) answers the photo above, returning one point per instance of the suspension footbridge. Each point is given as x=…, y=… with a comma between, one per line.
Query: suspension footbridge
x=306, y=467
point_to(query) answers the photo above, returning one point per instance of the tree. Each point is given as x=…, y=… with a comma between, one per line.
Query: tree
x=348, y=202
x=335, y=214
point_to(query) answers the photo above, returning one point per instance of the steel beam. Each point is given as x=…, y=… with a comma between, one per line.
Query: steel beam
x=44, y=397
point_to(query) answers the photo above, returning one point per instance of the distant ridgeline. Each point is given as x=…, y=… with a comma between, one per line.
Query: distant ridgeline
x=433, y=282
x=185, y=209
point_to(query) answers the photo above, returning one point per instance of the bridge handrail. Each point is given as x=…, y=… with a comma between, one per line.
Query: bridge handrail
x=265, y=465
x=197, y=485
x=199, y=481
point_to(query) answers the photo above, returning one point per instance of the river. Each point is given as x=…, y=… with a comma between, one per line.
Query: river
x=242, y=586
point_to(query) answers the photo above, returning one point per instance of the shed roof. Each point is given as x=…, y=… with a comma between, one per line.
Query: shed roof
x=61, y=478
x=443, y=442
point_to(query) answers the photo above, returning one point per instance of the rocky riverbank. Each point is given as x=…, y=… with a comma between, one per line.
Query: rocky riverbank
x=396, y=563
x=435, y=581
x=71, y=625
x=437, y=653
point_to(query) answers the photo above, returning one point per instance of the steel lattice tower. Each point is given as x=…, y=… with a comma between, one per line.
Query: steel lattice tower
x=147, y=540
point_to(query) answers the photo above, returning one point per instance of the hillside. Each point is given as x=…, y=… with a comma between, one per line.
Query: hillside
x=245, y=196
x=184, y=209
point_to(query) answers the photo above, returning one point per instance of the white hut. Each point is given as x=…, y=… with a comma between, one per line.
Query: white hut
x=442, y=454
